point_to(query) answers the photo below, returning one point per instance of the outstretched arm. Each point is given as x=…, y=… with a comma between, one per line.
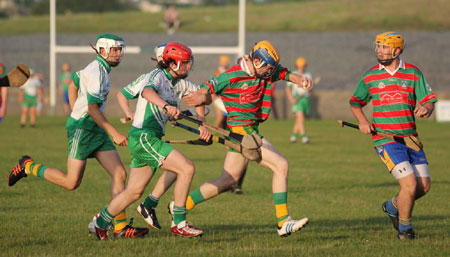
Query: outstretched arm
x=301, y=81
x=196, y=98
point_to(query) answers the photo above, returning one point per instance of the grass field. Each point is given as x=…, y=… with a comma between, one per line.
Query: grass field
x=337, y=181
x=309, y=15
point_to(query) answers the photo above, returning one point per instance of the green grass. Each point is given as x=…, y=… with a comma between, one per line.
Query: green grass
x=337, y=181
x=317, y=15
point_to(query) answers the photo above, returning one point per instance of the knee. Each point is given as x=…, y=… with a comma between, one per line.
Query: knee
x=120, y=175
x=410, y=188
x=189, y=168
x=135, y=195
x=71, y=185
x=283, y=168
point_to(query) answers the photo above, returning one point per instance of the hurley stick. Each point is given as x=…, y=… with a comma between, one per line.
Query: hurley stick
x=17, y=77
x=410, y=141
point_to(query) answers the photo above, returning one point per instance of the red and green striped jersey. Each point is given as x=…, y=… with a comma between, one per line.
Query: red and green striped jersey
x=394, y=97
x=247, y=99
x=2, y=74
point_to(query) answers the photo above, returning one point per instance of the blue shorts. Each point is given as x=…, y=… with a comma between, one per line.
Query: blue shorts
x=395, y=153
x=66, y=97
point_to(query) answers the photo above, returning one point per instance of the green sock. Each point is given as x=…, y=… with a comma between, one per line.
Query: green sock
x=303, y=135
x=294, y=135
x=104, y=219
x=194, y=198
x=151, y=201
x=179, y=214
x=280, y=201
x=35, y=169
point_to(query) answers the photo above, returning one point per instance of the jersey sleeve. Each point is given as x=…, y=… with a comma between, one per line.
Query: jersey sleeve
x=3, y=70
x=361, y=96
x=184, y=86
x=76, y=79
x=131, y=91
x=156, y=83
x=423, y=91
x=92, y=82
x=281, y=73
x=215, y=85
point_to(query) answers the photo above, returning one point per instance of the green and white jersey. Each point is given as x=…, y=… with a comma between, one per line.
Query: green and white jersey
x=31, y=87
x=94, y=87
x=298, y=91
x=149, y=116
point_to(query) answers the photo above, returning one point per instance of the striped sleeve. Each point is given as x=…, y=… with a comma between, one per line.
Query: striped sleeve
x=215, y=85
x=184, y=86
x=131, y=91
x=361, y=96
x=423, y=91
x=281, y=73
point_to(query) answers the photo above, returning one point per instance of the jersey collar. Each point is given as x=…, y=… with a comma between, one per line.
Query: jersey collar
x=169, y=77
x=244, y=65
x=104, y=63
x=400, y=66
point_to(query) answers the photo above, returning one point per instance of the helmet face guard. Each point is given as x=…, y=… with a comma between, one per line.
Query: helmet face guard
x=391, y=40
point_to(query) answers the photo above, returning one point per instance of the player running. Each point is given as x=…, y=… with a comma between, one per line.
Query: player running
x=299, y=99
x=30, y=95
x=87, y=132
x=246, y=92
x=395, y=86
x=159, y=97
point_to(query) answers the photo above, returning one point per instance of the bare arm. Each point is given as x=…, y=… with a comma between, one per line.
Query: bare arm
x=150, y=95
x=4, y=97
x=197, y=98
x=364, y=125
x=99, y=118
x=72, y=90
x=124, y=105
x=424, y=111
x=301, y=81
x=204, y=132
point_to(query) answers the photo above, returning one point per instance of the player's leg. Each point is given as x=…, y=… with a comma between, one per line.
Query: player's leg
x=177, y=163
x=32, y=116
x=234, y=165
x=138, y=180
x=23, y=115
x=295, y=129
x=276, y=162
x=147, y=208
x=423, y=179
x=405, y=204
x=111, y=162
x=237, y=189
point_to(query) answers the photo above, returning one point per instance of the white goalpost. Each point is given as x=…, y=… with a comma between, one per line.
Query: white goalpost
x=239, y=50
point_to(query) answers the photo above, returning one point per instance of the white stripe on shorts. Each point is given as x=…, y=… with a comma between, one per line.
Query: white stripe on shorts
x=153, y=149
x=75, y=142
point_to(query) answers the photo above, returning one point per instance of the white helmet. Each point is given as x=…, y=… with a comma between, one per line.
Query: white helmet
x=159, y=51
x=106, y=41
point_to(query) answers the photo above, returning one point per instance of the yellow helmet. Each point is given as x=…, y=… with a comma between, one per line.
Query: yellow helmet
x=224, y=59
x=392, y=39
x=266, y=52
x=300, y=61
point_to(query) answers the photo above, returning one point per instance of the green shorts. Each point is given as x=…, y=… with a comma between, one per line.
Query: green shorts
x=29, y=102
x=84, y=143
x=244, y=130
x=302, y=105
x=146, y=149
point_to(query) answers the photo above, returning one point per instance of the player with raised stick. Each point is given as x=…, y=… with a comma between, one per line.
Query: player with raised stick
x=158, y=99
x=88, y=133
x=399, y=92
x=246, y=93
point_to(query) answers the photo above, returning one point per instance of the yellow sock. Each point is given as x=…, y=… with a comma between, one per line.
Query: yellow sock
x=120, y=221
x=189, y=203
x=282, y=213
x=27, y=167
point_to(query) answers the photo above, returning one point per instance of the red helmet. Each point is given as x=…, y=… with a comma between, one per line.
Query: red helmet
x=177, y=52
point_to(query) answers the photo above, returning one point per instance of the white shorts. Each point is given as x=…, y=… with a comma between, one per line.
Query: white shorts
x=404, y=169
